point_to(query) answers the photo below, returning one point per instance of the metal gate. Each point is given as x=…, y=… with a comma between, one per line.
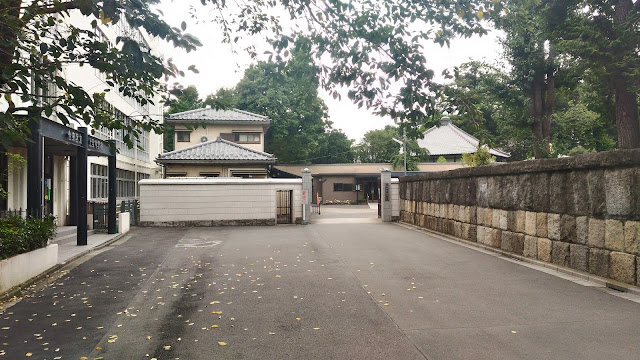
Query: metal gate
x=100, y=213
x=283, y=206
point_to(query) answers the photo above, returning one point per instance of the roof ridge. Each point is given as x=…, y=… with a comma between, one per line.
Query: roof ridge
x=186, y=112
x=464, y=135
x=249, y=113
x=241, y=147
x=190, y=147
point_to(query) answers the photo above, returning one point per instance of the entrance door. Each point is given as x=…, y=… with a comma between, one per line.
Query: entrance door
x=283, y=206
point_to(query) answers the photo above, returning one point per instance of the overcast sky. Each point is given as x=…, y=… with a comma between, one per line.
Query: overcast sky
x=220, y=67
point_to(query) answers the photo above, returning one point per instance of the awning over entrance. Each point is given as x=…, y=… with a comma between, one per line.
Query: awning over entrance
x=51, y=138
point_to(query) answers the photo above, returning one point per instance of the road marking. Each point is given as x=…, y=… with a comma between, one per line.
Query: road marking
x=197, y=243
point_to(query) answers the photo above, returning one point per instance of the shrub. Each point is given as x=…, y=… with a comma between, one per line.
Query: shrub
x=19, y=235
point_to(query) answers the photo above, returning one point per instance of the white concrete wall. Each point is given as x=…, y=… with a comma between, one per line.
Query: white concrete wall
x=20, y=268
x=218, y=199
x=395, y=198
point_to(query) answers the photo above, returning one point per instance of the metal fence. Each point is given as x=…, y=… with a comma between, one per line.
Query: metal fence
x=15, y=212
x=100, y=213
x=133, y=208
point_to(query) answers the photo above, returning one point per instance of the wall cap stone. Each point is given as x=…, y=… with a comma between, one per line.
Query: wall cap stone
x=601, y=160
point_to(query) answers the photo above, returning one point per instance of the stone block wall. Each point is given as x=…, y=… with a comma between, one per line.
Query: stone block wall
x=581, y=212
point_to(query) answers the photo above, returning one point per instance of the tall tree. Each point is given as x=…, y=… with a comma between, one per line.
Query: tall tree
x=286, y=92
x=334, y=147
x=37, y=42
x=378, y=146
x=374, y=48
x=605, y=37
x=530, y=50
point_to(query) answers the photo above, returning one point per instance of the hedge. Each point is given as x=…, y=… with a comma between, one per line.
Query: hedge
x=19, y=235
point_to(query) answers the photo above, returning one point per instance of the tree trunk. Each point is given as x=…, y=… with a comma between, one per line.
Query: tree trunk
x=627, y=124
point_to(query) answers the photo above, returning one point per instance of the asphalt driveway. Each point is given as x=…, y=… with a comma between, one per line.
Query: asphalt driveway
x=341, y=288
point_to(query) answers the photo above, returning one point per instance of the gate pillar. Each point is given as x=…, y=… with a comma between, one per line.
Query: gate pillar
x=385, y=196
x=306, y=195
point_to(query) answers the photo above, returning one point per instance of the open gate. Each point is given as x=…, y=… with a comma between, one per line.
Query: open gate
x=283, y=206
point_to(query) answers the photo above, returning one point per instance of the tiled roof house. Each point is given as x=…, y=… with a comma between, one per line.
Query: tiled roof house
x=450, y=142
x=212, y=143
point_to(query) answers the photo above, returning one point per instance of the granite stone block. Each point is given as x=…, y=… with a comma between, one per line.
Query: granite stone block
x=520, y=221
x=530, y=223
x=541, y=225
x=495, y=221
x=512, y=220
x=618, y=185
x=568, y=228
x=614, y=235
x=540, y=192
x=504, y=219
x=578, y=198
x=506, y=241
x=579, y=257
x=560, y=254
x=632, y=237
x=480, y=216
x=495, y=238
x=544, y=249
x=622, y=267
x=582, y=229
x=495, y=191
x=599, y=262
x=596, y=232
x=482, y=192
x=488, y=217
x=553, y=226
x=530, y=247
x=473, y=232
x=557, y=193
x=596, y=192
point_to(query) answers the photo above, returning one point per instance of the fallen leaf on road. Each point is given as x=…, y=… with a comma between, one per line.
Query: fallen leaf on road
x=222, y=343
x=214, y=326
x=168, y=347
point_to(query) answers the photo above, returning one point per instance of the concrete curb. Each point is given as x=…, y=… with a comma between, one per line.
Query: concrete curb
x=19, y=288
x=604, y=282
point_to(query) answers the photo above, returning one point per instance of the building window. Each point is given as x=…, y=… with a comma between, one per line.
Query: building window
x=247, y=138
x=183, y=136
x=141, y=176
x=210, y=174
x=175, y=175
x=125, y=183
x=99, y=182
x=342, y=187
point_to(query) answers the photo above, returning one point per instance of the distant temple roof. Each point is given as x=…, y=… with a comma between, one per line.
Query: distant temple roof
x=448, y=139
x=217, y=150
x=217, y=116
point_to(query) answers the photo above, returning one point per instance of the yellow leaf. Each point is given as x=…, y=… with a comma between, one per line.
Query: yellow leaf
x=214, y=326
x=104, y=19
x=216, y=312
x=480, y=14
x=98, y=348
x=28, y=354
x=222, y=343
x=168, y=347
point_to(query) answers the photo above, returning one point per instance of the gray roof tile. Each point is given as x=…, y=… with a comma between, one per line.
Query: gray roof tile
x=213, y=115
x=448, y=139
x=216, y=150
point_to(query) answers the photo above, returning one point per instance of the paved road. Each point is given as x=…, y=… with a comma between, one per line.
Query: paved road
x=332, y=290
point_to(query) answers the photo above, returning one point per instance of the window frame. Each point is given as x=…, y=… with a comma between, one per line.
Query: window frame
x=182, y=132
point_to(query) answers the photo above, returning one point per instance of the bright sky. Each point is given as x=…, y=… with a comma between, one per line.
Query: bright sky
x=220, y=67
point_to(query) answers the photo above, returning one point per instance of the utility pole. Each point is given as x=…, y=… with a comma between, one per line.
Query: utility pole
x=404, y=143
